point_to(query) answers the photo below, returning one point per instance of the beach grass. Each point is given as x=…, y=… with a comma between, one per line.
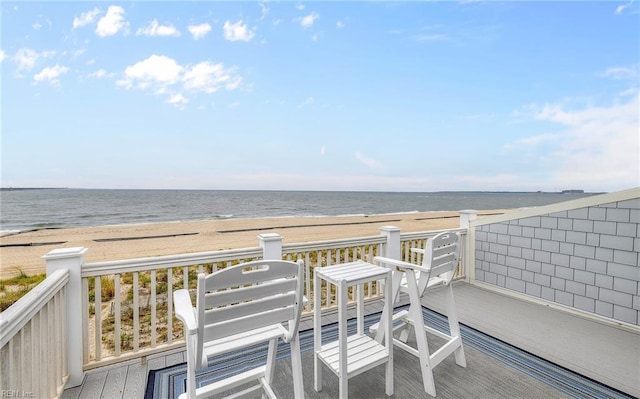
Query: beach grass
x=14, y=288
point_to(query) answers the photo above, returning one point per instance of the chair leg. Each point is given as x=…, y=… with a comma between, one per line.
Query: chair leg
x=454, y=327
x=191, y=367
x=271, y=359
x=296, y=367
x=415, y=313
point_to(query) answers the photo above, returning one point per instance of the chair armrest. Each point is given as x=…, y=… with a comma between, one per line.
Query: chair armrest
x=399, y=263
x=417, y=251
x=184, y=310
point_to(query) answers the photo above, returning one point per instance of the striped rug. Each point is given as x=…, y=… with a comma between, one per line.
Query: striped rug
x=170, y=382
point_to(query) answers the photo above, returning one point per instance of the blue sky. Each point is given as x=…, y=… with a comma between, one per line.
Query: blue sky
x=380, y=96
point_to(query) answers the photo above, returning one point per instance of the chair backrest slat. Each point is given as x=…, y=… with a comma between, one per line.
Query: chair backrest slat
x=243, y=324
x=223, y=298
x=242, y=309
x=249, y=273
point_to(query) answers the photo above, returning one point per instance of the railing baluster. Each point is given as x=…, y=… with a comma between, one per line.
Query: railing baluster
x=97, y=285
x=307, y=282
x=27, y=357
x=56, y=342
x=118, y=327
x=23, y=369
x=185, y=277
x=50, y=339
x=153, y=308
x=170, y=305
x=35, y=329
x=11, y=372
x=136, y=311
x=42, y=386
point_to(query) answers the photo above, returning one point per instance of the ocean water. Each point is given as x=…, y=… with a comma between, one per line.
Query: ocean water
x=59, y=208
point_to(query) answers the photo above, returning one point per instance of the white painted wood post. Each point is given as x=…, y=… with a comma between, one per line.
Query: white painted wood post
x=71, y=259
x=469, y=260
x=393, y=241
x=271, y=244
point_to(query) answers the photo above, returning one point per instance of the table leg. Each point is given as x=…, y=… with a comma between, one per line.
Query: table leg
x=360, y=308
x=389, y=301
x=317, y=333
x=342, y=337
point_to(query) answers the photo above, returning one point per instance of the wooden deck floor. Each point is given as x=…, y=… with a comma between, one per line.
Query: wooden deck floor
x=602, y=352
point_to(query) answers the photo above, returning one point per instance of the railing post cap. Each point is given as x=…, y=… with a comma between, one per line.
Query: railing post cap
x=62, y=253
x=269, y=236
x=389, y=228
x=468, y=211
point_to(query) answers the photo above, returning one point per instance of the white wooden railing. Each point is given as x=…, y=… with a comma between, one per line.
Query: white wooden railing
x=32, y=341
x=134, y=317
x=122, y=309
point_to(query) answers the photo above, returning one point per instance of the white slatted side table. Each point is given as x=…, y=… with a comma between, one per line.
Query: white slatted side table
x=356, y=353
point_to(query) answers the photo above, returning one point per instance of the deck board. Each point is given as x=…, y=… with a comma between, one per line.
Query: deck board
x=114, y=384
x=93, y=385
x=136, y=381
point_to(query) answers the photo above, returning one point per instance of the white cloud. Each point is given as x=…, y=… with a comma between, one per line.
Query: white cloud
x=112, y=23
x=431, y=38
x=340, y=24
x=27, y=58
x=155, y=29
x=367, y=161
x=237, y=31
x=307, y=101
x=621, y=73
x=86, y=18
x=2, y=55
x=323, y=150
x=209, y=77
x=597, y=147
x=37, y=26
x=532, y=141
x=50, y=74
x=299, y=6
x=156, y=72
x=622, y=7
x=101, y=73
x=178, y=100
x=199, y=31
x=307, y=21
x=163, y=75
x=264, y=8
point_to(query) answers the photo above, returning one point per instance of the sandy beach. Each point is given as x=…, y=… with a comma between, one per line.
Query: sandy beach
x=23, y=252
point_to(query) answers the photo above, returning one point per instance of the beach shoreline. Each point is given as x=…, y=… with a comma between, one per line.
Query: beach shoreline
x=22, y=252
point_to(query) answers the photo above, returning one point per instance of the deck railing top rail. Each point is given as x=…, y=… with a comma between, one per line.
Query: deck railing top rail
x=21, y=312
x=167, y=261
x=328, y=244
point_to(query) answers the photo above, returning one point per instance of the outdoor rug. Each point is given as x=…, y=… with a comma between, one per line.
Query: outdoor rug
x=170, y=382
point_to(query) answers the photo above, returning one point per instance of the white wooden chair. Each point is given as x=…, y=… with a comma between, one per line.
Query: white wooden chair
x=439, y=261
x=237, y=307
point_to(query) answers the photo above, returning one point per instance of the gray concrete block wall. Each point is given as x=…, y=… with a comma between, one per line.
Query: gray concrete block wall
x=586, y=258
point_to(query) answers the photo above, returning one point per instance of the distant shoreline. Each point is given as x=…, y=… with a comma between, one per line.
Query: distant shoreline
x=31, y=188
x=567, y=191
